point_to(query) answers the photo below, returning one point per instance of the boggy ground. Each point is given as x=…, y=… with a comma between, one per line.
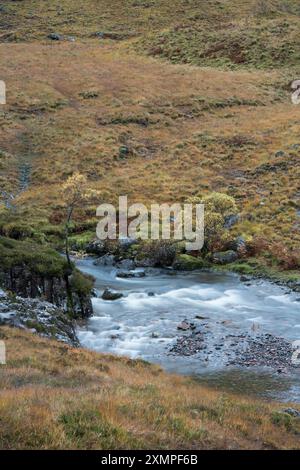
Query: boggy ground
x=56, y=397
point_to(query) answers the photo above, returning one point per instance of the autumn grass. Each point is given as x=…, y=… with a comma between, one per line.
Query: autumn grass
x=188, y=131
x=55, y=397
x=217, y=119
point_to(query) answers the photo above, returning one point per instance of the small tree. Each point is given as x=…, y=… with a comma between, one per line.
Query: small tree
x=75, y=192
x=218, y=206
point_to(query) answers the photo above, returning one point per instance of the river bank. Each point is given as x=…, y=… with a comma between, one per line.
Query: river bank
x=37, y=316
x=233, y=321
x=58, y=397
x=145, y=322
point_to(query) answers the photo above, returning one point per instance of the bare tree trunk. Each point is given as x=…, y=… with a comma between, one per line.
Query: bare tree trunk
x=69, y=216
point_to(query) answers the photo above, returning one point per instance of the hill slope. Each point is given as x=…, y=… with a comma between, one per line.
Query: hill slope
x=55, y=397
x=187, y=130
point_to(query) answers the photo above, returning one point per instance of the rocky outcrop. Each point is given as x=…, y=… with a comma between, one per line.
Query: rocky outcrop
x=59, y=291
x=37, y=316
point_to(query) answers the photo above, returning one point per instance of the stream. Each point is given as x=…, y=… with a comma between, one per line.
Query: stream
x=144, y=324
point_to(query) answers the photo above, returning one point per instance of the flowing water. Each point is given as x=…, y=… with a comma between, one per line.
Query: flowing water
x=143, y=323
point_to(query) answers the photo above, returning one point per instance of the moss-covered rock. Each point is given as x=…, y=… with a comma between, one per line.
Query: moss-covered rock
x=186, y=262
x=33, y=270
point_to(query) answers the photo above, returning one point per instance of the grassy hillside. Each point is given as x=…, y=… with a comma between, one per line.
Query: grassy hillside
x=188, y=129
x=55, y=397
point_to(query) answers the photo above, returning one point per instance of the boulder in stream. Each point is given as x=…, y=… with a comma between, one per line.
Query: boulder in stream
x=110, y=295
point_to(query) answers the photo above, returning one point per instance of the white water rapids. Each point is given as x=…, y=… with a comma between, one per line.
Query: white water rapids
x=143, y=323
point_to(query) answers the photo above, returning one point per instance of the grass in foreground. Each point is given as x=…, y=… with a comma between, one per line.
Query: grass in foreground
x=55, y=397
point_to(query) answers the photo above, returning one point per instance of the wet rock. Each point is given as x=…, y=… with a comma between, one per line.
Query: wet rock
x=110, y=295
x=266, y=350
x=200, y=317
x=186, y=326
x=114, y=337
x=151, y=294
x=131, y=274
x=183, y=326
x=106, y=260
x=224, y=257
x=245, y=279
x=154, y=335
x=185, y=347
x=226, y=322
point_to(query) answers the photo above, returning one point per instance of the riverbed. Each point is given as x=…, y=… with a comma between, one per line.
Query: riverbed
x=144, y=324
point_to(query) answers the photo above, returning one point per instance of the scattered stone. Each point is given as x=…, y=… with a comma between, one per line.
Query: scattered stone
x=110, y=295
x=184, y=347
x=280, y=154
x=243, y=350
x=267, y=350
